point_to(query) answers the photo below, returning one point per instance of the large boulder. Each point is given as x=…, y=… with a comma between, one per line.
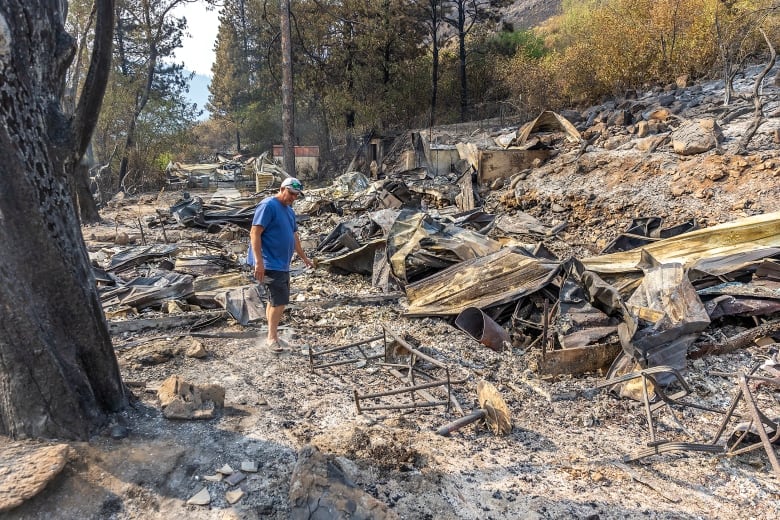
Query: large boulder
x=695, y=137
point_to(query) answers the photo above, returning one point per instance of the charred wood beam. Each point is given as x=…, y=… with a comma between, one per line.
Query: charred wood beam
x=740, y=341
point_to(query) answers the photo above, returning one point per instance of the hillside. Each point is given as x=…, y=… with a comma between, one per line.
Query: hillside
x=524, y=14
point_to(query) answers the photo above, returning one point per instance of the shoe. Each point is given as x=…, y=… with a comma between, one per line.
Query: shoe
x=277, y=346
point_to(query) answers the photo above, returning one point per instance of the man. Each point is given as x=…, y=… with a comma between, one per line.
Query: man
x=272, y=241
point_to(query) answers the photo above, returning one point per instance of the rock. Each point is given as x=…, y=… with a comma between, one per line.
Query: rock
x=225, y=470
x=234, y=514
x=182, y=400
x=249, y=466
x=196, y=350
x=25, y=470
x=613, y=143
x=572, y=116
x=121, y=239
x=319, y=488
x=651, y=142
x=620, y=118
x=682, y=81
x=174, y=307
x=234, y=496
x=678, y=190
x=696, y=137
x=657, y=127
x=666, y=100
x=234, y=478
x=213, y=478
x=201, y=498
x=642, y=129
x=118, y=431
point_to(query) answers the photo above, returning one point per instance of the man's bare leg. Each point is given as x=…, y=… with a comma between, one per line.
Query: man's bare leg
x=273, y=315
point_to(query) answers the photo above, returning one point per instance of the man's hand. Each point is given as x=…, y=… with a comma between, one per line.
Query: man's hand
x=308, y=262
x=259, y=272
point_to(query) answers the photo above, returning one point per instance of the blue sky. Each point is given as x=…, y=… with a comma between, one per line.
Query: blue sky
x=199, y=93
x=197, y=51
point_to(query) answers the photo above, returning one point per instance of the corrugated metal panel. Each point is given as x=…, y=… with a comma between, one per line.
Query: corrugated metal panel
x=736, y=237
x=481, y=282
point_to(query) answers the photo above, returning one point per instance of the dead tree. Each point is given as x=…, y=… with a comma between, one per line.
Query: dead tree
x=757, y=98
x=59, y=376
x=288, y=97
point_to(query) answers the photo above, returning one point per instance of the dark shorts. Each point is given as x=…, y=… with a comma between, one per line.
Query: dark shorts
x=277, y=287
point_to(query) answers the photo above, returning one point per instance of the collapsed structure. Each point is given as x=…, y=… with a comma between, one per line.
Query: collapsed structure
x=442, y=230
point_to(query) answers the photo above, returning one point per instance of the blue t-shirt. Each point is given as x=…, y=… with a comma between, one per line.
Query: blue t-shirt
x=278, y=239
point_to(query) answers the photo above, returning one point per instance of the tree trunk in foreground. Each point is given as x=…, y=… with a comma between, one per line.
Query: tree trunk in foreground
x=58, y=373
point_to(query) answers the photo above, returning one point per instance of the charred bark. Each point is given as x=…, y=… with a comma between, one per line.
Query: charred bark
x=756, y=97
x=83, y=199
x=58, y=373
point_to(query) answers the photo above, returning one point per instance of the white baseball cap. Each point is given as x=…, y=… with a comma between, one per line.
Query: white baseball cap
x=294, y=185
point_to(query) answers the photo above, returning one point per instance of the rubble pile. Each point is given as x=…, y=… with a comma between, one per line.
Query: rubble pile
x=501, y=323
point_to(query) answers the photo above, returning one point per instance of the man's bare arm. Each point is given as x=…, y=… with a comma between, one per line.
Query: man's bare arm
x=257, y=251
x=301, y=253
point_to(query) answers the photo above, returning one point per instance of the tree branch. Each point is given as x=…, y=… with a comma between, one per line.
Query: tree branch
x=758, y=104
x=91, y=99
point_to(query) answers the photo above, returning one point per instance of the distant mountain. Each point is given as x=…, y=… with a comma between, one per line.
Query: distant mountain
x=524, y=14
x=199, y=93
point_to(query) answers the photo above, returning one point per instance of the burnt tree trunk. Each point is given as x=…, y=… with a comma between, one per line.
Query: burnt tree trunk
x=58, y=373
x=85, y=202
x=288, y=97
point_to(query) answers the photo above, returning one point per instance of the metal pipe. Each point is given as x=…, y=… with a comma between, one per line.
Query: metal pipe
x=346, y=361
x=342, y=347
x=403, y=390
x=426, y=404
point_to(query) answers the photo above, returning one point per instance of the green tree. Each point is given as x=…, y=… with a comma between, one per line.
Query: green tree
x=230, y=84
x=147, y=36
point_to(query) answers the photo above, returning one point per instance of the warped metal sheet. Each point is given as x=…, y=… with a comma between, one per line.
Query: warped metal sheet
x=133, y=256
x=360, y=260
x=723, y=265
x=758, y=289
x=739, y=236
x=482, y=282
x=418, y=244
x=144, y=292
x=548, y=121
